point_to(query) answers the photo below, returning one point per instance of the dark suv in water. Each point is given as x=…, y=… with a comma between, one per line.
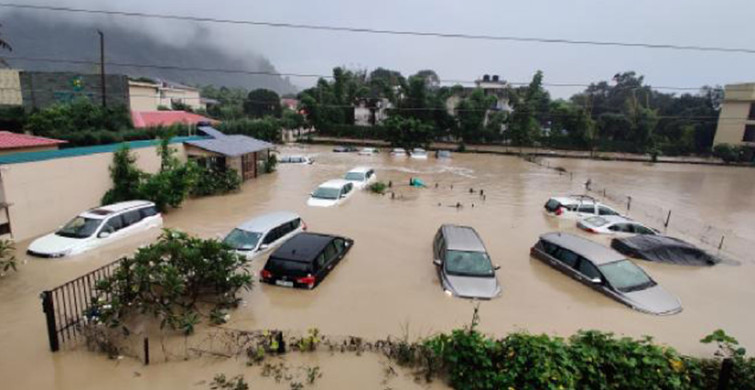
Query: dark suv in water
x=305, y=260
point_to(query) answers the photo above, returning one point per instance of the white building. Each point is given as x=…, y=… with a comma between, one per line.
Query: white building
x=148, y=96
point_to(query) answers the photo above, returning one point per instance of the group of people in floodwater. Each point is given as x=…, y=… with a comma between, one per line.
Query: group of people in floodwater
x=417, y=182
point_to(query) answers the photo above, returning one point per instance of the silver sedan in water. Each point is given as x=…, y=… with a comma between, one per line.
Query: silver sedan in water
x=463, y=265
x=605, y=270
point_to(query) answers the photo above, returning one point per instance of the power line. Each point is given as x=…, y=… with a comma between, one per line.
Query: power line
x=364, y=30
x=300, y=75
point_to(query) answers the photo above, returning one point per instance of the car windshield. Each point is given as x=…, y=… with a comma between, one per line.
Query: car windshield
x=355, y=176
x=80, y=227
x=596, y=221
x=242, y=240
x=468, y=263
x=326, y=193
x=625, y=276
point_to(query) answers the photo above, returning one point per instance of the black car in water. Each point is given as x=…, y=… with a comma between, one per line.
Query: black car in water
x=345, y=149
x=305, y=260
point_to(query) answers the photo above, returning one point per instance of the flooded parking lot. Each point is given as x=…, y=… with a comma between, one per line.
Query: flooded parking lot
x=387, y=283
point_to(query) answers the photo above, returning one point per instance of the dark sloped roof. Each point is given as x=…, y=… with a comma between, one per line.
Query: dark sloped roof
x=663, y=249
x=232, y=145
x=211, y=131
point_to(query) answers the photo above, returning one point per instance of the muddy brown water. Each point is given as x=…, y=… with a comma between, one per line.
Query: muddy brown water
x=387, y=283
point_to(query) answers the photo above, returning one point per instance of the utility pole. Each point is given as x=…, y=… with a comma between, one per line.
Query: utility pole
x=102, y=68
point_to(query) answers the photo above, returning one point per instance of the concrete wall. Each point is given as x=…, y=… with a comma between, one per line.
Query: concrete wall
x=46, y=194
x=10, y=87
x=143, y=97
x=43, y=89
x=26, y=150
x=735, y=111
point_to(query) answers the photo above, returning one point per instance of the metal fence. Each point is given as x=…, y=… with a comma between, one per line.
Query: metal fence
x=724, y=242
x=66, y=305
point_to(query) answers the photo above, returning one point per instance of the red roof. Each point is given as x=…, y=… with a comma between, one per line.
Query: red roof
x=166, y=118
x=10, y=140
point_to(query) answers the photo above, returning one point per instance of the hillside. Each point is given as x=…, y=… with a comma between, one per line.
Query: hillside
x=38, y=36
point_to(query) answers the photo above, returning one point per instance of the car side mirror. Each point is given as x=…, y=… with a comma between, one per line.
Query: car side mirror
x=437, y=262
x=103, y=235
x=343, y=196
x=264, y=246
x=596, y=280
x=496, y=267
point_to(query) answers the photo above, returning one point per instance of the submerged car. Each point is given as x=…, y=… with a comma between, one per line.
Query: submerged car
x=305, y=260
x=361, y=177
x=331, y=193
x=398, y=152
x=576, y=207
x=368, y=151
x=344, y=149
x=419, y=153
x=663, y=249
x=263, y=233
x=442, y=154
x=615, y=225
x=97, y=227
x=303, y=160
x=463, y=265
x=605, y=270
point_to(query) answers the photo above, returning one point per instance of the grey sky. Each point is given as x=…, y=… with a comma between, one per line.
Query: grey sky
x=683, y=22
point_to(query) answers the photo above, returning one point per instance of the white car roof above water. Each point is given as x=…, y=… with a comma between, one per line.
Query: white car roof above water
x=103, y=212
x=610, y=219
x=268, y=221
x=335, y=183
x=359, y=170
x=574, y=199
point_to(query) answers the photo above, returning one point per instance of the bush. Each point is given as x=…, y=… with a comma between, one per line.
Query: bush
x=728, y=153
x=168, y=278
x=215, y=182
x=270, y=163
x=79, y=115
x=7, y=259
x=378, y=187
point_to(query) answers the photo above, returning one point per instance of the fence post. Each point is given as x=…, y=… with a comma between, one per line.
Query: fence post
x=629, y=203
x=727, y=365
x=721, y=244
x=48, y=307
x=146, y=351
x=668, y=218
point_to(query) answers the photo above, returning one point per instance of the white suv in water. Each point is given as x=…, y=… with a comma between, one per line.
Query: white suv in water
x=97, y=227
x=576, y=207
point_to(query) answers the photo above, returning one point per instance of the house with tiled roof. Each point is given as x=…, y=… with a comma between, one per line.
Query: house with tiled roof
x=16, y=142
x=143, y=119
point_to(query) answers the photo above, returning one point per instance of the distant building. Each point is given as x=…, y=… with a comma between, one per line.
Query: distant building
x=15, y=143
x=493, y=85
x=367, y=116
x=142, y=119
x=291, y=104
x=10, y=87
x=44, y=89
x=736, y=121
x=150, y=95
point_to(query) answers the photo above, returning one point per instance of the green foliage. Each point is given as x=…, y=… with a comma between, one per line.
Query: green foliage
x=378, y=187
x=215, y=182
x=166, y=279
x=169, y=187
x=292, y=120
x=408, y=133
x=7, y=259
x=471, y=113
x=260, y=103
x=230, y=102
x=126, y=177
x=268, y=128
x=79, y=115
x=727, y=152
x=178, y=105
x=220, y=382
x=12, y=118
x=270, y=163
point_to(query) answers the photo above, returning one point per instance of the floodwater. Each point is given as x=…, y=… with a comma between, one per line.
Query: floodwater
x=387, y=285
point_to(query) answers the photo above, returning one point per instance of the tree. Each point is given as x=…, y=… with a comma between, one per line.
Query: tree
x=471, y=113
x=126, y=177
x=432, y=81
x=525, y=125
x=262, y=102
x=408, y=133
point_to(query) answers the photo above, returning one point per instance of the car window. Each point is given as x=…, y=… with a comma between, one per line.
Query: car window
x=113, y=224
x=566, y=256
x=131, y=218
x=548, y=247
x=588, y=269
x=148, y=211
x=586, y=208
x=642, y=230
x=330, y=252
x=284, y=229
x=466, y=263
x=340, y=244
x=271, y=236
x=79, y=227
x=552, y=205
x=603, y=210
x=287, y=267
x=321, y=261
x=625, y=276
x=242, y=240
